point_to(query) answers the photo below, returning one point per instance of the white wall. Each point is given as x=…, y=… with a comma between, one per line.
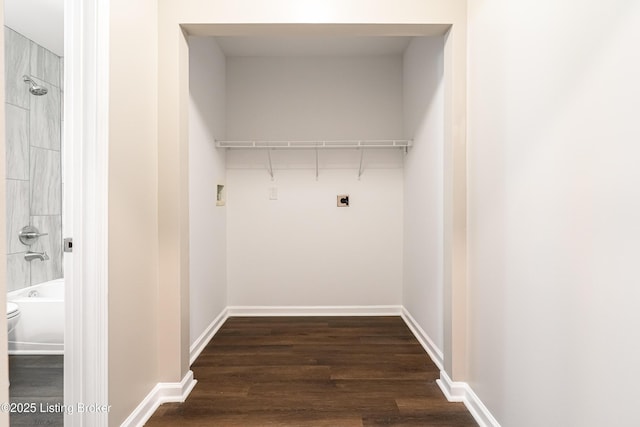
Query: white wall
x=301, y=250
x=554, y=203
x=133, y=205
x=207, y=222
x=314, y=97
x=423, y=186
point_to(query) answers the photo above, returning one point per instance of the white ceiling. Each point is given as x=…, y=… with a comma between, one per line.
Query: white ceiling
x=312, y=45
x=43, y=22
x=39, y=20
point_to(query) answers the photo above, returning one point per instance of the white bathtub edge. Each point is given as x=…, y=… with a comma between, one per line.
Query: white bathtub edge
x=36, y=352
x=39, y=329
x=23, y=292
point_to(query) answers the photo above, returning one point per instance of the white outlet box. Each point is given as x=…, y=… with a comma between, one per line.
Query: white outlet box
x=220, y=196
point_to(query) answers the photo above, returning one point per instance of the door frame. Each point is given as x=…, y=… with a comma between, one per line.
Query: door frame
x=86, y=141
x=180, y=19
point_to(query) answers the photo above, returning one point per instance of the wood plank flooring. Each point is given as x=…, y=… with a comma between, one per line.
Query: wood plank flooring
x=314, y=371
x=39, y=380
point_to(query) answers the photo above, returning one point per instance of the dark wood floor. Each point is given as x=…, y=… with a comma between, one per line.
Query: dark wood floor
x=314, y=371
x=39, y=380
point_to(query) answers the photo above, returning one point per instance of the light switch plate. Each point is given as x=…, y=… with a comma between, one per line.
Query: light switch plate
x=273, y=193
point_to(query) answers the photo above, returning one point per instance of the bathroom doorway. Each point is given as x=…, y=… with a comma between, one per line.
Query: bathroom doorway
x=84, y=146
x=34, y=92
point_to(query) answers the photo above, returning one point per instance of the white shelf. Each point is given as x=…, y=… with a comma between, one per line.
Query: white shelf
x=382, y=143
x=316, y=145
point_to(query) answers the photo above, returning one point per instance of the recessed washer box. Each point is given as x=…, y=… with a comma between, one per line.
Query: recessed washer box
x=220, y=195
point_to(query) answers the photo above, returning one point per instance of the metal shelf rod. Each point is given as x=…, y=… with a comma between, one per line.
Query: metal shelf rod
x=270, y=165
x=360, y=168
x=257, y=144
x=317, y=145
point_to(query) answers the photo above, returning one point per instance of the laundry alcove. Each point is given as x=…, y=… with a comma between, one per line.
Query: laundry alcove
x=264, y=115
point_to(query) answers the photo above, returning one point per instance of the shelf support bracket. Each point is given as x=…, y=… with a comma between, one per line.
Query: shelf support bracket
x=270, y=164
x=316, y=163
x=361, y=163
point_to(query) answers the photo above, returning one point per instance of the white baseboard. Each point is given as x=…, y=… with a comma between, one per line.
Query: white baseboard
x=457, y=391
x=453, y=391
x=161, y=393
x=427, y=343
x=342, y=310
x=202, y=341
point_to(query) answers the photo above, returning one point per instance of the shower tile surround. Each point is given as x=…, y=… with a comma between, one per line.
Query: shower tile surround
x=34, y=169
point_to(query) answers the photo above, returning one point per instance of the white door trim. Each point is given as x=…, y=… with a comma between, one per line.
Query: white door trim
x=86, y=184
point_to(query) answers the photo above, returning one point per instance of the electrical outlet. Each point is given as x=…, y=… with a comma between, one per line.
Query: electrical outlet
x=343, y=200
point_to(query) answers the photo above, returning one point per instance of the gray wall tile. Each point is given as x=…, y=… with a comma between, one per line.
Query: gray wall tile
x=61, y=73
x=34, y=182
x=44, y=121
x=42, y=271
x=16, y=64
x=17, y=142
x=45, y=65
x=17, y=213
x=45, y=182
x=18, y=276
x=62, y=152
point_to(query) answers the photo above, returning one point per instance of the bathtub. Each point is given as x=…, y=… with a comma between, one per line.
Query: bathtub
x=40, y=329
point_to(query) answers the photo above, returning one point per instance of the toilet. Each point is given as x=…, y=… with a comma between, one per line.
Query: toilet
x=13, y=314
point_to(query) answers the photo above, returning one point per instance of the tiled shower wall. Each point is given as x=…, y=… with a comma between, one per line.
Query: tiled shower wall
x=34, y=174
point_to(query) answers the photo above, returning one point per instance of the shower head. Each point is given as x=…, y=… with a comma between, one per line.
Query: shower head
x=34, y=88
